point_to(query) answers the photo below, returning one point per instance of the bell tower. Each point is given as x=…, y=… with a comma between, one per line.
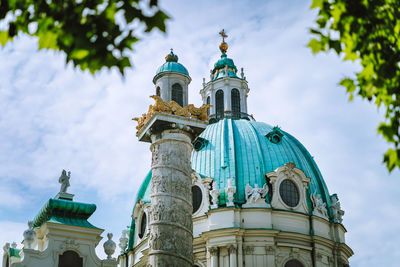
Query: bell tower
x=225, y=92
x=172, y=80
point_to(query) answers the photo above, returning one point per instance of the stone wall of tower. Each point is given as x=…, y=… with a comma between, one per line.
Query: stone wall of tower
x=165, y=83
x=171, y=228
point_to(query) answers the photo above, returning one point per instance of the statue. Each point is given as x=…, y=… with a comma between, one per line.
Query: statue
x=123, y=241
x=29, y=236
x=172, y=108
x=64, y=181
x=337, y=212
x=109, y=246
x=319, y=207
x=256, y=193
x=214, y=195
x=230, y=190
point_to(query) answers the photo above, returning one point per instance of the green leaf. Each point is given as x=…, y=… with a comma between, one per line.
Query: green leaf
x=79, y=54
x=4, y=38
x=315, y=45
x=47, y=40
x=392, y=159
x=387, y=131
x=317, y=4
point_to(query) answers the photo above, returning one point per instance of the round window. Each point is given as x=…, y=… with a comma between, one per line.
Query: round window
x=197, y=198
x=293, y=263
x=289, y=193
x=143, y=223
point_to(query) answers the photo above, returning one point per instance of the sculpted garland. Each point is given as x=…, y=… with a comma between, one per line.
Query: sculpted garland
x=174, y=108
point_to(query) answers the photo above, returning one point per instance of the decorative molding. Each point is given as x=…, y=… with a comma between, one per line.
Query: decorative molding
x=232, y=249
x=248, y=250
x=68, y=244
x=213, y=251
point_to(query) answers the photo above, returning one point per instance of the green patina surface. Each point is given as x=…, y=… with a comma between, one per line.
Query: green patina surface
x=224, y=67
x=171, y=67
x=65, y=212
x=13, y=252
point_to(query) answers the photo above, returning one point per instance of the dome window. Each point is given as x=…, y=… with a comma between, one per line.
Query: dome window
x=199, y=143
x=293, y=263
x=275, y=136
x=235, y=100
x=219, y=104
x=289, y=193
x=177, y=94
x=197, y=198
x=143, y=225
x=208, y=103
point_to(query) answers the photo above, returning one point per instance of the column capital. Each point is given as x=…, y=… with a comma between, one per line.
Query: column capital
x=232, y=248
x=213, y=251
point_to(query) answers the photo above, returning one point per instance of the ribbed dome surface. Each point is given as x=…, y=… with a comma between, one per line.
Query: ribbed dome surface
x=239, y=149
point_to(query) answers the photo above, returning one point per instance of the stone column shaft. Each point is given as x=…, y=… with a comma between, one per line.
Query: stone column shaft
x=171, y=228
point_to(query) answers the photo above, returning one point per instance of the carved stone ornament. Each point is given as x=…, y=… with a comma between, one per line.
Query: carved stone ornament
x=6, y=248
x=337, y=212
x=123, y=241
x=319, y=207
x=214, y=195
x=270, y=250
x=29, y=236
x=69, y=243
x=213, y=251
x=109, y=246
x=232, y=249
x=14, y=245
x=230, y=190
x=172, y=108
x=255, y=196
x=249, y=250
x=64, y=181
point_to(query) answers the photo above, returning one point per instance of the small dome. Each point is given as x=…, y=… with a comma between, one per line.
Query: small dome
x=224, y=67
x=171, y=66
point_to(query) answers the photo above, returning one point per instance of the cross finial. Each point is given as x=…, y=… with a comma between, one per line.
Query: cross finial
x=172, y=50
x=223, y=34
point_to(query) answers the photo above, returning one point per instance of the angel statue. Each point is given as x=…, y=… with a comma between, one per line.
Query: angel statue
x=318, y=205
x=256, y=193
x=64, y=181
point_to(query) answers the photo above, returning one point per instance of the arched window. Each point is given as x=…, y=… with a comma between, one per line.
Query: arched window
x=70, y=258
x=143, y=223
x=158, y=91
x=208, y=103
x=219, y=104
x=177, y=94
x=235, y=101
x=289, y=193
x=197, y=198
x=293, y=263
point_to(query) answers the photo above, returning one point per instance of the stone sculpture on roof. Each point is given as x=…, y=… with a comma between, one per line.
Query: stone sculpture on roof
x=64, y=181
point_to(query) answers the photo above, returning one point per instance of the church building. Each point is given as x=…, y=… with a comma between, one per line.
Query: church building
x=257, y=195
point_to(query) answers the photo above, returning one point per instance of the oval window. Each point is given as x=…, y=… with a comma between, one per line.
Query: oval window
x=289, y=193
x=293, y=263
x=143, y=223
x=197, y=198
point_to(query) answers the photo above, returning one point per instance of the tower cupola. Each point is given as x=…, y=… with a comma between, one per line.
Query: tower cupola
x=225, y=92
x=172, y=80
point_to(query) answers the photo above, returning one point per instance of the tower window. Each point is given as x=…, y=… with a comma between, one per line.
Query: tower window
x=289, y=193
x=158, y=91
x=208, y=103
x=177, y=94
x=219, y=104
x=143, y=223
x=197, y=198
x=70, y=258
x=235, y=100
x=293, y=263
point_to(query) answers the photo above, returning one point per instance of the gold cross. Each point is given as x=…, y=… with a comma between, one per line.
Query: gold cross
x=223, y=34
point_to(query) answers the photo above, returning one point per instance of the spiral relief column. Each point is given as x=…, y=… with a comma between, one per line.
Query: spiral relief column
x=171, y=230
x=171, y=226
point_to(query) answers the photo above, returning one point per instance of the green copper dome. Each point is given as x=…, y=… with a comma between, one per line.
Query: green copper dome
x=224, y=67
x=246, y=150
x=171, y=65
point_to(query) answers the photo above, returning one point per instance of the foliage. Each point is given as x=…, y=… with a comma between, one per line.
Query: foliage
x=92, y=33
x=367, y=32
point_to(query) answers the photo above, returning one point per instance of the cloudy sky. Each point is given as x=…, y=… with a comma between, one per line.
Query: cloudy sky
x=53, y=117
